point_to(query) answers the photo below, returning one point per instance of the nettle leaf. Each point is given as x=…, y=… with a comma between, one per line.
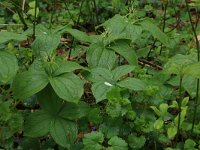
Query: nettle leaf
x=136, y=142
x=63, y=132
x=117, y=143
x=8, y=36
x=46, y=43
x=178, y=63
x=67, y=86
x=28, y=83
x=73, y=111
x=8, y=65
x=100, y=56
x=37, y=124
x=155, y=31
x=122, y=47
x=121, y=71
x=132, y=84
x=93, y=141
x=49, y=101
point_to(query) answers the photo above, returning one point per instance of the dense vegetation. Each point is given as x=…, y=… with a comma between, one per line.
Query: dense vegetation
x=99, y=74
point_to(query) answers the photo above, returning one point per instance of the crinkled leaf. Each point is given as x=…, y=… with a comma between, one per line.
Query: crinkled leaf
x=8, y=65
x=37, y=124
x=28, y=83
x=136, y=142
x=63, y=132
x=132, y=84
x=117, y=143
x=93, y=141
x=68, y=87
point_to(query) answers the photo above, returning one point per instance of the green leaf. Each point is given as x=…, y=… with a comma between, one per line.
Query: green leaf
x=65, y=67
x=79, y=35
x=100, y=90
x=49, y=101
x=158, y=112
x=113, y=109
x=63, y=132
x=46, y=43
x=178, y=63
x=7, y=36
x=193, y=70
x=93, y=141
x=163, y=109
x=136, y=142
x=121, y=71
x=158, y=124
x=155, y=31
x=122, y=47
x=101, y=75
x=117, y=144
x=190, y=145
x=28, y=83
x=132, y=84
x=37, y=124
x=171, y=132
x=74, y=111
x=8, y=65
x=99, y=56
x=68, y=87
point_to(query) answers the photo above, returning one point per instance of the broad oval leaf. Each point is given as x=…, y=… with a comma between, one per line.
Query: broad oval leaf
x=37, y=124
x=121, y=71
x=63, y=132
x=122, y=47
x=7, y=36
x=74, y=111
x=8, y=65
x=117, y=143
x=68, y=87
x=28, y=83
x=99, y=56
x=132, y=84
x=46, y=43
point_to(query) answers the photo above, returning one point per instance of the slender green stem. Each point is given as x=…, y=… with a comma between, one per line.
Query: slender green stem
x=52, y=13
x=76, y=23
x=164, y=23
x=35, y=18
x=179, y=106
x=198, y=58
x=96, y=11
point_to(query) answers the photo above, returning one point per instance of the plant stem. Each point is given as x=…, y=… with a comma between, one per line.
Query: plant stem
x=164, y=23
x=35, y=18
x=96, y=11
x=179, y=106
x=76, y=23
x=198, y=58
